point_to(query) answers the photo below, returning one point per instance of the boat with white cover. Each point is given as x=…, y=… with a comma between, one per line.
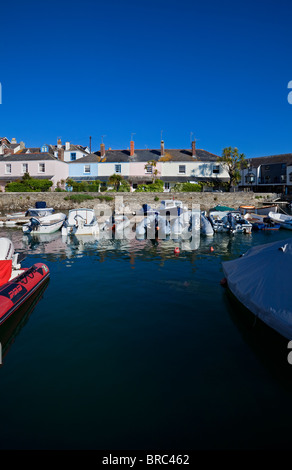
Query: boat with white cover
x=261, y=281
x=206, y=226
x=47, y=224
x=80, y=222
x=117, y=223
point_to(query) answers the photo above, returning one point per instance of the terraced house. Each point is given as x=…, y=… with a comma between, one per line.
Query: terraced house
x=40, y=163
x=143, y=166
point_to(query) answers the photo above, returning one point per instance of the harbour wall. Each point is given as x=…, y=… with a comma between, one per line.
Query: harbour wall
x=132, y=201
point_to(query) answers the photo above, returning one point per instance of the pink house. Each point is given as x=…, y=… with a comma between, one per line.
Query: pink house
x=39, y=165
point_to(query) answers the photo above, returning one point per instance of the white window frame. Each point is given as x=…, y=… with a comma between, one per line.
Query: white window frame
x=118, y=168
x=148, y=170
x=8, y=166
x=216, y=169
x=182, y=172
x=42, y=168
x=24, y=170
x=86, y=169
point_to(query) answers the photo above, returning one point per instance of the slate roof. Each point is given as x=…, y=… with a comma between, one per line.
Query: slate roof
x=172, y=155
x=90, y=158
x=284, y=158
x=21, y=157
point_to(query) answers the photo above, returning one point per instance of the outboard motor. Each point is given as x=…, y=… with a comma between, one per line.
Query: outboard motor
x=34, y=224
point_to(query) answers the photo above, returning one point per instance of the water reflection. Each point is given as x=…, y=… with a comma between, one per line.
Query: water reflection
x=14, y=324
x=268, y=345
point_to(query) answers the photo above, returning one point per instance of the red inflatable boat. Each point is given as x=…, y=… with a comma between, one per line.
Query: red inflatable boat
x=17, y=284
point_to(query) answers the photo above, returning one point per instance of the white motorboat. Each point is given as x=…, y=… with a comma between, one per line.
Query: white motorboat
x=285, y=221
x=47, y=224
x=236, y=223
x=260, y=280
x=171, y=207
x=216, y=219
x=40, y=210
x=80, y=222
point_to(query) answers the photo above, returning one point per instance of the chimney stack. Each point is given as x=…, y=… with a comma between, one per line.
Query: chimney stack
x=131, y=148
x=67, y=146
x=194, y=148
x=60, y=154
x=102, y=150
x=59, y=143
x=162, y=148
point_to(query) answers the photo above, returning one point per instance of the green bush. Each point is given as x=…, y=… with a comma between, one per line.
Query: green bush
x=28, y=184
x=156, y=187
x=188, y=187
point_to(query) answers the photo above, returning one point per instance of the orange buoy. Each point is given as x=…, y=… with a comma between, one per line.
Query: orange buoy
x=211, y=249
x=176, y=250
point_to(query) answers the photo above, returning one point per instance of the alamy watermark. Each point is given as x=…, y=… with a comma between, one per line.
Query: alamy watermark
x=289, y=97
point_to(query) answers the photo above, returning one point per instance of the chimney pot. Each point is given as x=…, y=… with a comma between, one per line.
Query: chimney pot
x=102, y=150
x=67, y=146
x=59, y=143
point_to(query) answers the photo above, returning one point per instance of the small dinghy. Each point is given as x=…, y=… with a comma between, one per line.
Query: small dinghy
x=285, y=221
x=80, y=222
x=260, y=280
x=47, y=224
x=17, y=284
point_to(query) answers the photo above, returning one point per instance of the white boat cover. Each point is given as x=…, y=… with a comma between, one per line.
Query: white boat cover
x=260, y=280
x=206, y=226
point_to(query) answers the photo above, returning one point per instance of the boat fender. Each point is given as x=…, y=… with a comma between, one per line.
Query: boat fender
x=176, y=250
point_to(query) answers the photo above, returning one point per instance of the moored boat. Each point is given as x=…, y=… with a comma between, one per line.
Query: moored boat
x=260, y=280
x=47, y=224
x=80, y=222
x=17, y=284
x=285, y=221
x=40, y=210
x=206, y=226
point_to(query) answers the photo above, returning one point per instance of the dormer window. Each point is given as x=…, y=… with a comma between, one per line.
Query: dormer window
x=73, y=156
x=216, y=169
x=44, y=149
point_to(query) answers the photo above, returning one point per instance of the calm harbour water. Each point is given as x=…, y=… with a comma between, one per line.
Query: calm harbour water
x=134, y=347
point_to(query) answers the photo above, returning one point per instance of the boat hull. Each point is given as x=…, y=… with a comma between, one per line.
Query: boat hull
x=15, y=292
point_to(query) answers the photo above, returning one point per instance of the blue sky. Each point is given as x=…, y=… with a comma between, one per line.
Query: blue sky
x=217, y=69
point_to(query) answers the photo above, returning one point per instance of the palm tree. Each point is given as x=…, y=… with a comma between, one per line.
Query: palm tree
x=115, y=180
x=154, y=171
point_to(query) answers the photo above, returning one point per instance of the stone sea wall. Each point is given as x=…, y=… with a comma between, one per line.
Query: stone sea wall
x=22, y=201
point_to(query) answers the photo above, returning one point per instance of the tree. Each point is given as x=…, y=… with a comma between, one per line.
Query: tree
x=154, y=170
x=115, y=180
x=232, y=161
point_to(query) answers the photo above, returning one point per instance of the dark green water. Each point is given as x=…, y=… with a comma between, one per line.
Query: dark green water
x=133, y=347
